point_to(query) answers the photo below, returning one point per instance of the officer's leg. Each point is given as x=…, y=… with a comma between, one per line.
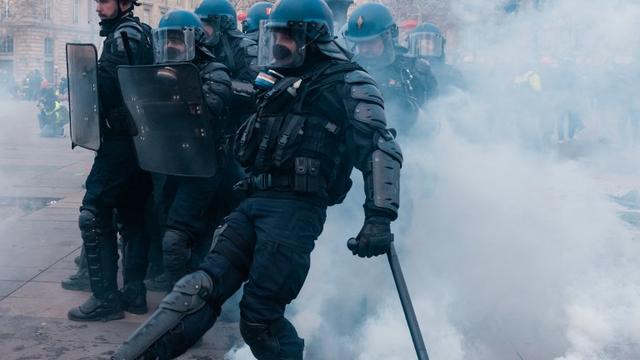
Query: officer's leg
x=193, y=305
x=285, y=239
x=154, y=221
x=131, y=208
x=99, y=238
x=107, y=179
x=188, y=223
x=80, y=280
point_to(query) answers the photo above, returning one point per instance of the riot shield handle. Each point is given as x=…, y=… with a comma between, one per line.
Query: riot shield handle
x=405, y=299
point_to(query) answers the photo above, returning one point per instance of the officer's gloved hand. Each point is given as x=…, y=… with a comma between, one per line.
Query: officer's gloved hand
x=374, y=238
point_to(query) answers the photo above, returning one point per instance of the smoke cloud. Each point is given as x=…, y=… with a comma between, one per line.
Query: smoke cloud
x=510, y=243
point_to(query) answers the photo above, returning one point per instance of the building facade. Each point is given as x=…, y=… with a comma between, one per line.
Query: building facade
x=33, y=33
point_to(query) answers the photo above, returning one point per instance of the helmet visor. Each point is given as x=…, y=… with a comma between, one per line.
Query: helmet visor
x=173, y=45
x=281, y=45
x=425, y=45
x=375, y=51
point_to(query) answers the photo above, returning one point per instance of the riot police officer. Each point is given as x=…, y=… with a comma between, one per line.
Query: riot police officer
x=256, y=13
x=427, y=41
x=229, y=45
x=406, y=82
x=115, y=181
x=323, y=115
x=190, y=213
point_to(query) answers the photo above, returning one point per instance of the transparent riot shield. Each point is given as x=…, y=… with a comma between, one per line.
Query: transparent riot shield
x=175, y=129
x=82, y=73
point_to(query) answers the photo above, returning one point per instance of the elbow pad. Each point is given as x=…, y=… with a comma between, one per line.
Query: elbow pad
x=384, y=178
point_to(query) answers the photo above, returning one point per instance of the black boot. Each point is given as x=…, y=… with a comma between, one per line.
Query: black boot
x=106, y=309
x=99, y=239
x=80, y=280
x=134, y=298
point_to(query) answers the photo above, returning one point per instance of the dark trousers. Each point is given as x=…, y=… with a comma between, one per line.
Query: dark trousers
x=191, y=210
x=115, y=183
x=267, y=243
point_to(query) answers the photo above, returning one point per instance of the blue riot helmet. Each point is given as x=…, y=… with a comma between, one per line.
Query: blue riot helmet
x=372, y=35
x=293, y=27
x=426, y=41
x=218, y=16
x=256, y=13
x=176, y=37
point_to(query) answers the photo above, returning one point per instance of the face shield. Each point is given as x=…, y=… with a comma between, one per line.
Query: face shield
x=375, y=51
x=281, y=45
x=173, y=45
x=425, y=45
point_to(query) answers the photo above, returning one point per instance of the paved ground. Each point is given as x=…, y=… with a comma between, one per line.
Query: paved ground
x=40, y=192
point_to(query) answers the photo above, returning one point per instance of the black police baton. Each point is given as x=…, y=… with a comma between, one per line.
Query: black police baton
x=405, y=299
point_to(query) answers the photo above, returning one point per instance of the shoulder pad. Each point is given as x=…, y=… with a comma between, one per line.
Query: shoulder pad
x=246, y=42
x=422, y=66
x=367, y=92
x=133, y=30
x=359, y=77
x=370, y=115
x=214, y=71
x=236, y=33
x=215, y=66
x=252, y=50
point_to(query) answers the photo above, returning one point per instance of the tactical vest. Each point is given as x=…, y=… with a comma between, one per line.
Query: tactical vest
x=114, y=113
x=287, y=146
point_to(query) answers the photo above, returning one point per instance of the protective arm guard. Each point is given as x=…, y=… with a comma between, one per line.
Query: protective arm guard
x=216, y=87
x=382, y=183
x=189, y=295
x=377, y=154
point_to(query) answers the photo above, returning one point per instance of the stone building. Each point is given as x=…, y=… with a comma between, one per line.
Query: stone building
x=33, y=33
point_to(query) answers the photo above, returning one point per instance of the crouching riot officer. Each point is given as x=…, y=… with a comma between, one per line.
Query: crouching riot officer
x=181, y=143
x=321, y=118
x=115, y=181
x=406, y=82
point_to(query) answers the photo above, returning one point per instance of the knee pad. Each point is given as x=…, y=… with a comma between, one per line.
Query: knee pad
x=87, y=221
x=174, y=240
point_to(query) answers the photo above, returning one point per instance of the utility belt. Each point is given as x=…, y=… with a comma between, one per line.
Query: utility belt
x=306, y=179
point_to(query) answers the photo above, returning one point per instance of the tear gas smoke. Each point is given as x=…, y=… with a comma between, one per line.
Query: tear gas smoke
x=510, y=245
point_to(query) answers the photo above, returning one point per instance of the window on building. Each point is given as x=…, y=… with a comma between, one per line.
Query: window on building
x=6, y=44
x=76, y=11
x=48, y=47
x=5, y=9
x=48, y=8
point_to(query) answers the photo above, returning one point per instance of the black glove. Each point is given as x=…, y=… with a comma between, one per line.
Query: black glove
x=374, y=238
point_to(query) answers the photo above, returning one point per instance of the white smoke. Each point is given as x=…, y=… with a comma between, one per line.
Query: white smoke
x=509, y=242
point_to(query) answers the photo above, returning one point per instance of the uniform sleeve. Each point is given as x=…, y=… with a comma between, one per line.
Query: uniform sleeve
x=246, y=59
x=426, y=78
x=114, y=55
x=374, y=149
x=216, y=87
